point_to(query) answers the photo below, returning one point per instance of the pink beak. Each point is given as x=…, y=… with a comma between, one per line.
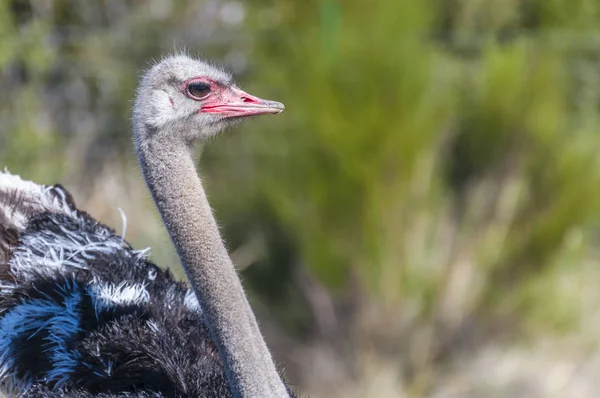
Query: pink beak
x=237, y=103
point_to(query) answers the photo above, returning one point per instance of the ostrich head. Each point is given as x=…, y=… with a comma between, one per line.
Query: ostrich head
x=188, y=99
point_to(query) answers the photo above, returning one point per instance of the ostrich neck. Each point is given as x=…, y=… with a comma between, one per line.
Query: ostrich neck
x=169, y=171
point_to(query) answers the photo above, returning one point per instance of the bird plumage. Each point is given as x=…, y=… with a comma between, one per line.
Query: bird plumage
x=80, y=310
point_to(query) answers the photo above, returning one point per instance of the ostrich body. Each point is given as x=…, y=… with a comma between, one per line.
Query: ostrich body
x=83, y=314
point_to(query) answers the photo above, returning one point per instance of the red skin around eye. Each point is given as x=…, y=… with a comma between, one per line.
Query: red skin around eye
x=230, y=101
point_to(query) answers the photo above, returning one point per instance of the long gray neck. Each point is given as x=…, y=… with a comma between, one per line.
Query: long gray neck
x=169, y=171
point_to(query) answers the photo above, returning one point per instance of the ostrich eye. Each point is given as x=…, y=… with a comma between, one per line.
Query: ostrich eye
x=198, y=90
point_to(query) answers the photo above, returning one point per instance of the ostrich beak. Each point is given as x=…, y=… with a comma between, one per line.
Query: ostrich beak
x=237, y=103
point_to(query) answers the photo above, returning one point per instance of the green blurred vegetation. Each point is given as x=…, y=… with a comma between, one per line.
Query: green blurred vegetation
x=431, y=188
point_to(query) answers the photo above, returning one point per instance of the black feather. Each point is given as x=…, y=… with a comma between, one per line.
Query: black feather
x=62, y=334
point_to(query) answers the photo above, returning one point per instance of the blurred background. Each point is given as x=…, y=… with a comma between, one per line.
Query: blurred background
x=422, y=221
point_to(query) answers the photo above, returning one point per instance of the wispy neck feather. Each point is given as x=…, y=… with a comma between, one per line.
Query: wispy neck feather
x=169, y=171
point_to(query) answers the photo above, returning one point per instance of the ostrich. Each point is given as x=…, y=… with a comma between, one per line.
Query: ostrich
x=83, y=314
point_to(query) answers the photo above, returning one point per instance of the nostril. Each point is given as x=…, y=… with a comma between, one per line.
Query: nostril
x=246, y=99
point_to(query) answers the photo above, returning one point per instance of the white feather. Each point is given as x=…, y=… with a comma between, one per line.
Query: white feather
x=35, y=197
x=191, y=301
x=107, y=295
